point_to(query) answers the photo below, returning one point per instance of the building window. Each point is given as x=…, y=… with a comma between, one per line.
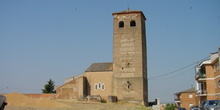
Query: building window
x=121, y=24
x=96, y=86
x=190, y=105
x=215, y=65
x=132, y=23
x=218, y=83
x=99, y=85
x=103, y=86
x=190, y=96
x=218, y=67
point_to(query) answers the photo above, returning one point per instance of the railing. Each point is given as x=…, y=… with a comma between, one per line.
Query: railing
x=177, y=100
x=200, y=75
x=201, y=92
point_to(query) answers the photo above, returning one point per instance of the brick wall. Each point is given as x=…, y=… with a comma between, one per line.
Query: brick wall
x=188, y=99
x=41, y=95
x=35, y=96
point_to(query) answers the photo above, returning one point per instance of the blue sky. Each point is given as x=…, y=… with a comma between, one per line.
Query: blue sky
x=59, y=39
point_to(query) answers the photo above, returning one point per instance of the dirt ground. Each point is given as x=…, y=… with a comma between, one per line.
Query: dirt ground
x=86, y=106
x=17, y=101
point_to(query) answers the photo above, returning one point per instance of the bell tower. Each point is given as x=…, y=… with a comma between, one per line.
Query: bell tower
x=130, y=57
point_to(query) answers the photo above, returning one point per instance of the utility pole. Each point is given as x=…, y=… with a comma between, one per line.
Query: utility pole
x=7, y=90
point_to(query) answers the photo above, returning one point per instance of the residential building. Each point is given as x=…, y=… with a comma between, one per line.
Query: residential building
x=186, y=99
x=207, y=85
x=208, y=78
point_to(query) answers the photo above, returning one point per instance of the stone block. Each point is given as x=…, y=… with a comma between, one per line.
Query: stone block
x=112, y=99
x=94, y=98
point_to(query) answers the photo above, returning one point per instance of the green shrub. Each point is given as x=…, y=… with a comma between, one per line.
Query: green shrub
x=103, y=101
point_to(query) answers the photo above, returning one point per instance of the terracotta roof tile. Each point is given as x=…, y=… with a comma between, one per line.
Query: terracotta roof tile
x=99, y=67
x=191, y=90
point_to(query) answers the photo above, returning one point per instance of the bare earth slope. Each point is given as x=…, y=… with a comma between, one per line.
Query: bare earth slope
x=20, y=100
x=17, y=101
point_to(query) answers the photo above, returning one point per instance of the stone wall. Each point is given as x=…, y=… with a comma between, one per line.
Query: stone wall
x=73, y=89
x=100, y=83
x=129, y=60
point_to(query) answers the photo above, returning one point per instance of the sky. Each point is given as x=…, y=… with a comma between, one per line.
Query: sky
x=58, y=39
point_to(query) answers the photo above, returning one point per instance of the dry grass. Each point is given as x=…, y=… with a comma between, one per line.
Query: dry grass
x=18, y=101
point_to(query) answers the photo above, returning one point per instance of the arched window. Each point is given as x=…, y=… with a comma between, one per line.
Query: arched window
x=132, y=23
x=99, y=85
x=103, y=86
x=121, y=24
x=96, y=86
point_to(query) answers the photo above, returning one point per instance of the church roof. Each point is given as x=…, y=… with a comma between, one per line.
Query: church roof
x=129, y=11
x=99, y=67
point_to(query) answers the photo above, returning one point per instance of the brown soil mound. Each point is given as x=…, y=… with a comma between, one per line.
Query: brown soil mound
x=17, y=99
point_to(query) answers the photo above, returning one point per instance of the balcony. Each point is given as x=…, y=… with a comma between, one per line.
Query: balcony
x=200, y=75
x=201, y=92
x=177, y=100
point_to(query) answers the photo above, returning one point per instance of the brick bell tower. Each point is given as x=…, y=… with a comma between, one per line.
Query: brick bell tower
x=130, y=57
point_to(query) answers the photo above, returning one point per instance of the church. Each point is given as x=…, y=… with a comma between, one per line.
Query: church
x=126, y=77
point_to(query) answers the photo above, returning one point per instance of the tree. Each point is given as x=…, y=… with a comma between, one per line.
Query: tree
x=170, y=107
x=49, y=87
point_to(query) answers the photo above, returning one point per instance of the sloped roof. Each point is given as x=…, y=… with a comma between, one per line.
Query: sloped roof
x=129, y=11
x=99, y=67
x=191, y=90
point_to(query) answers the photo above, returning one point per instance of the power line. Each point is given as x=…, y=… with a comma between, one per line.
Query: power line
x=172, y=71
x=176, y=74
x=178, y=69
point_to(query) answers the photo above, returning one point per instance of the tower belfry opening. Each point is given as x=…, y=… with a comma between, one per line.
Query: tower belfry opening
x=121, y=24
x=132, y=23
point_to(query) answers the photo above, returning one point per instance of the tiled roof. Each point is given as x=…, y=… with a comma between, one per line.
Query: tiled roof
x=191, y=90
x=99, y=67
